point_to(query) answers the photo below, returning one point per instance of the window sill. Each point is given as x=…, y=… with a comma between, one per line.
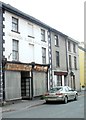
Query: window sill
x=43, y=40
x=56, y=45
x=31, y=36
x=15, y=31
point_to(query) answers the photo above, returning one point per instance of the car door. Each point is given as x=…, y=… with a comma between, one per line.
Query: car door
x=68, y=93
x=71, y=93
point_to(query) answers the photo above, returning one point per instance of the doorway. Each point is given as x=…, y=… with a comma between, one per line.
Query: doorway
x=73, y=82
x=25, y=85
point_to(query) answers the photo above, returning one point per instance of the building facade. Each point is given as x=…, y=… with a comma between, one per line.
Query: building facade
x=73, y=63
x=85, y=63
x=33, y=56
x=59, y=61
x=65, y=61
x=81, y=63
x=85, y=43
x=24, y=51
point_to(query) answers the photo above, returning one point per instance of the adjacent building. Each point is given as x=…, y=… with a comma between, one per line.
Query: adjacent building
x=85, y=43
x=81, y=63
x=59, y=58
x=73, y=63
x=65, y=61
x=24, y=52
x=85, y=62
x=33, y=56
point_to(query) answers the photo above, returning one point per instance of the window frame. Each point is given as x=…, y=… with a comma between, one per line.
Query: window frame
x=15, y=52
x=75, y=62
x=15, y=28
x=57, y=59
x=69, y=46
x=56, y=40
x=30, y=30
x=43, y=35
x=74, y=48
x=70, y=62
x=59, y=80
x=43, y=55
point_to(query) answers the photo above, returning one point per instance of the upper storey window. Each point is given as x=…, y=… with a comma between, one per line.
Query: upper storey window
x=14, y=24
x=15, y=50
x=57, y=59
x=42, y=35
x=56, y=40
x=69, y=46
x=30, y=30
x=43, y=55
x=74, y=48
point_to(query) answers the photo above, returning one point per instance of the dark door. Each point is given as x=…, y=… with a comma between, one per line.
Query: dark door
x=25, y=85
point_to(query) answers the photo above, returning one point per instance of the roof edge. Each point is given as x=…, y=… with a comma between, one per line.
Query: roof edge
x=16, y=11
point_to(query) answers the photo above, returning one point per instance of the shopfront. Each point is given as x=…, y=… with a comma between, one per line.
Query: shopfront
x=25, y=81
x=60, y=78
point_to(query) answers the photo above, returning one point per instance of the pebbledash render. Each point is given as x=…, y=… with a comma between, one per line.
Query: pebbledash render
x=33, y=56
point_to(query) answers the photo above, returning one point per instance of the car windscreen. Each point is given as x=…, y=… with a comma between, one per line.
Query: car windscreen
x=55, y=89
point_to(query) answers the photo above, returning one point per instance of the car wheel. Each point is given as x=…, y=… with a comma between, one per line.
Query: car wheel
x=65, y=100
x=76, y=97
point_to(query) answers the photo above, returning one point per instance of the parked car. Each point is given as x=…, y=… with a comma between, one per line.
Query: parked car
x=61, y=93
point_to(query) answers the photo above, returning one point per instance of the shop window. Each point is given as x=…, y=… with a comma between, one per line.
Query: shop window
x=59, y=81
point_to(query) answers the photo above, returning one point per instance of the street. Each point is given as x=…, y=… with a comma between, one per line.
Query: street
x=73, y=109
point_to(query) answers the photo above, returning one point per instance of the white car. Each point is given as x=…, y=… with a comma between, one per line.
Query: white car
x=61, y=93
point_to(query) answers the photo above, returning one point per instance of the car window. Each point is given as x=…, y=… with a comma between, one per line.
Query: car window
x=55, y=89
x=69, y=89
x=66, y=89
x=59, y=88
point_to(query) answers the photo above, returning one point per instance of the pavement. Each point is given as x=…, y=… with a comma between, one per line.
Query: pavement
x=24, y=104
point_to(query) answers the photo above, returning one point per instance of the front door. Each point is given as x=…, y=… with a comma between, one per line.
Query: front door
x=25, y=88
x=25, y=85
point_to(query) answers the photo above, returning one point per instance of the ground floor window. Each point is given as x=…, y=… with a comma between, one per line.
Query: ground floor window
x=59, y=80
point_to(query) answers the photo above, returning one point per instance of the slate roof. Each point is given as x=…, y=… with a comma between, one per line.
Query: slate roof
x=19, y=13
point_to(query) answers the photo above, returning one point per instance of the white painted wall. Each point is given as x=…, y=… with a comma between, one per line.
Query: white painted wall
x=30, y=49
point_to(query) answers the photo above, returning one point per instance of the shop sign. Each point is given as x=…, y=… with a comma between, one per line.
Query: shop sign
x=41, y=68
x=18, y=67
